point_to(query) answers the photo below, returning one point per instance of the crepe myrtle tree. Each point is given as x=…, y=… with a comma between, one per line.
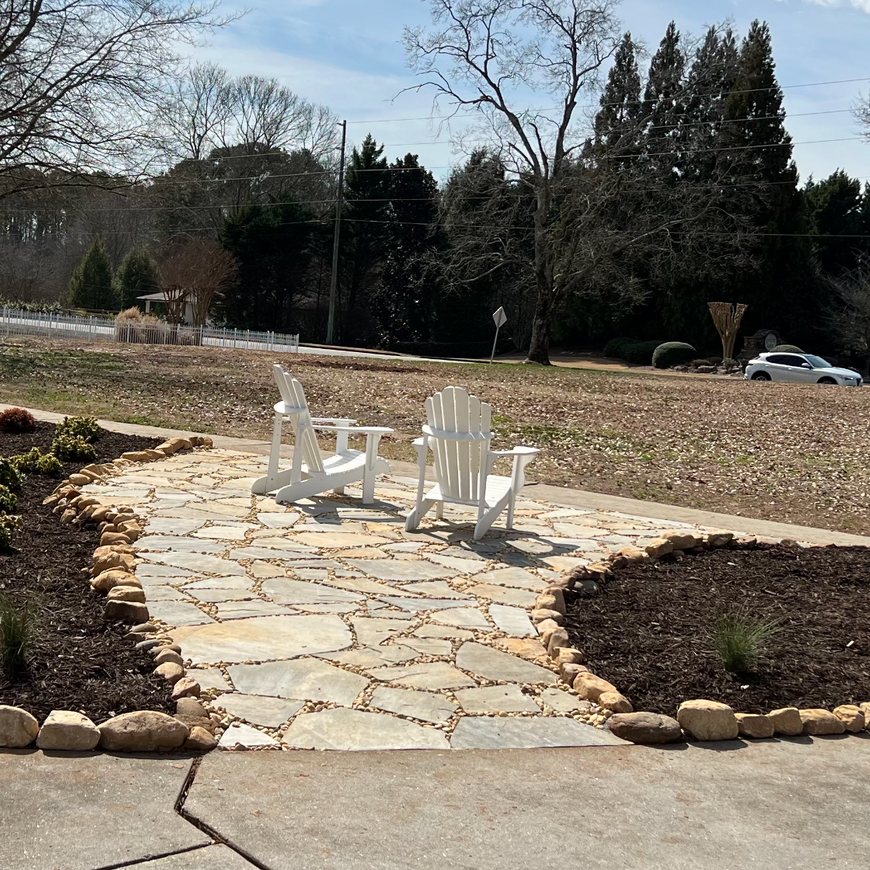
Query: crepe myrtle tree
x=82, y=83
x=495, y=57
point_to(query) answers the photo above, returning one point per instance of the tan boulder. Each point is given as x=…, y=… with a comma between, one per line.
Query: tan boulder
x=548, y=601
x=108, y=580
x=122, y=561
x=851, y=716
x=865, y=709
x=591, y=687
x=546, y=629
x=129, y=612
x=200, y=740
x=819, y=722
x=79, y=479
x=186, y=687
x=658, y=548
x=719, y=539
x=170, y=671
x=707, y=720
x=165, y=656
x=568, y=671
x=190, y=707
x=683, y=539
x=136, y=456
x=109, y=538
x=559, y=595
x=127, y=593
x=754, y=725
x=615, y=701
x=570, y=655
x=634, y=554
x=787, y=721
x=556, y=641
x=17, y=727
x=142, y=731
x=68, y=730
x=645, y=728
x=539, y=616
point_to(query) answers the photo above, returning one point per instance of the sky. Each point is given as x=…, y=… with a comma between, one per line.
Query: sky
x=348, y=54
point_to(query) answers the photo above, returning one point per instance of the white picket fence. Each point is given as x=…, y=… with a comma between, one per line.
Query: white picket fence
x=65, y=325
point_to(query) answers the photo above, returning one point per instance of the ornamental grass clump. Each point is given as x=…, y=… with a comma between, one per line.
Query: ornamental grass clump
x=16, y=635
x=9, y=476
x=16, y=421
x=740, y=640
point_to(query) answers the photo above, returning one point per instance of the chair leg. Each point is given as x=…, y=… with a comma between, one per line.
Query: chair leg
x=424, y=505
x=275, y=453
x=439, y=510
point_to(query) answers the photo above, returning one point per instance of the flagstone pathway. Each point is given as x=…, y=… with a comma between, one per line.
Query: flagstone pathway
x=324, y=625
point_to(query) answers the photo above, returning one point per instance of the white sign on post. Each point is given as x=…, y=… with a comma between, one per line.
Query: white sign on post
x=500, y=319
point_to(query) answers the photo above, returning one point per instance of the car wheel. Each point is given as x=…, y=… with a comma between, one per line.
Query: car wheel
x=761, y=376
x=828, y=381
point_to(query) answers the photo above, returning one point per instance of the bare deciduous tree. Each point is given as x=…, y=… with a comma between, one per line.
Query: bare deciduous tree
x=82, y=80
x=493, y=56
x=849, y=319
x=200, y=111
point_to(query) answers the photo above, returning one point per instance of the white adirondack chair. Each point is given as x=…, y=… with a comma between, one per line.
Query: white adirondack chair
x=459, y=435
x=310, y=473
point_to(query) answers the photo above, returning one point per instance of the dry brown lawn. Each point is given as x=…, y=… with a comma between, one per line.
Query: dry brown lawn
x=789, y=453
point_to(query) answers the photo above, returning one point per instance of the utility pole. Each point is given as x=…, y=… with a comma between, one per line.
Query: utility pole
x=339, y=201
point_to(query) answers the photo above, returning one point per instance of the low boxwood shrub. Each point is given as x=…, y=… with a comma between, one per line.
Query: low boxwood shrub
x=49, y=465
x=786, y=348
x=69, y=447
x=8, y=500
x=9, y=476
x=672, y=353
x=616, y=346
x=17, y=420
x=79, y=427
x=37, y=462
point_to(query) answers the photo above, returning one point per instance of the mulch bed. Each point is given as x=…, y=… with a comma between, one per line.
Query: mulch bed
x=647, y=630
x=78, y=661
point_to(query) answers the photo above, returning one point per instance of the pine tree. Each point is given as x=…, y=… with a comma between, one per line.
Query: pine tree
x=91, y=285
x=618, y=122
x=664, y=102
x=137, y=276
x=835, y=209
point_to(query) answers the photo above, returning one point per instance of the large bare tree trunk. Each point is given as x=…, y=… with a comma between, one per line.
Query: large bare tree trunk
x=539, y=346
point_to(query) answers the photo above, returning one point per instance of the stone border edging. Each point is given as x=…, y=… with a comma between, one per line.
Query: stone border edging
x=701, y=719
x=113, y=572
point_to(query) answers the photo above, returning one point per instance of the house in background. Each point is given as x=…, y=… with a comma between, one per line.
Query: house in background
x=160, y=299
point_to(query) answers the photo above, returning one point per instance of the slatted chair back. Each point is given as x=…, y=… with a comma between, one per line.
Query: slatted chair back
x=296, y=406
x=460, y=463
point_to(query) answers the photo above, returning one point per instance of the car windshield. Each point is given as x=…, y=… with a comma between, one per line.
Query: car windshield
x=817, y=362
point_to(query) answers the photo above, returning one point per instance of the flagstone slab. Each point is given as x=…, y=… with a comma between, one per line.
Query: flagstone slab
x=429, y=646
x=517, y=578
x=286, y=591
x=213, y=596
x=164, y=593
x=278, y=637
x=427, y=675
x=357, y=730
x=302, y=680
x=504, y=595
x=162, y=573
x=233, y=582
x=428, y=630
x=491, y=664
x=309, y=573
x=428, y=706
x=372, y=657
x=261, y=552
x=235, y=532
x=435, y=588
x=488, y=732
x=420, y=605
x=176, y=544
x=177, y=613
x=266, y=569
x=210, y=678
x=173, y=526
x=463, y=617
x=360, y=584
x=461, y=566
x=259, y=709
x=371, y=632
x=278, y=521
x=201, y=563
x=246, y=609
x=563, y=702
x=512, y=620
x=496, y=699
x=401, y=571
x=338, y=539
x=247, y=737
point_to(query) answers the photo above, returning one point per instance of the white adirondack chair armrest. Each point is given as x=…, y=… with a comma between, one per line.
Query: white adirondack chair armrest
x=363, y=430
x=286, y=410
x=454, y=436
x=517, y=451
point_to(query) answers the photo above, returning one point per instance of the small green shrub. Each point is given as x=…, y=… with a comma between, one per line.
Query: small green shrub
x=740, y=640
x=16, y=634
x=9, y=476
x=8, y=500
x=79, y=427
x=672, y=353
x=616, y=346
x=68, y=447
x=17, y=420
x=9, y=525
x=25, y=463
x=786, y=348
x=49, y=465
x=695, y=363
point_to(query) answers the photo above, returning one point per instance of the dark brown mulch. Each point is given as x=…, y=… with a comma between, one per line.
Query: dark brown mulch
x=78, y=661
x=647, y=631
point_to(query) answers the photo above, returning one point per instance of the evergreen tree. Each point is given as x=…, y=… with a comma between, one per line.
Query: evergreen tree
x=664, y=102
x=618, y=122
x=137, y=276
x=836, y=211
x=91, y=285
x=365, y=234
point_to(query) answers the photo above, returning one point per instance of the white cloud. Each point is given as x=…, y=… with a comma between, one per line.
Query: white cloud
x=864, y=5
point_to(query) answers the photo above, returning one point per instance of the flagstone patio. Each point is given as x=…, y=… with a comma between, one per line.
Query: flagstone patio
x=324, y=625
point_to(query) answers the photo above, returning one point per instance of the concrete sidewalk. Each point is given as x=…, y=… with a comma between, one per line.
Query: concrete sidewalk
x=557, y=494
x=772, y=804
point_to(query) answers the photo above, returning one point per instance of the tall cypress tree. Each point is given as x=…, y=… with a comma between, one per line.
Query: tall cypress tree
x=835, y=211
x=618, y=122
x=91, y=285
x=137, y=276
x=664, y=102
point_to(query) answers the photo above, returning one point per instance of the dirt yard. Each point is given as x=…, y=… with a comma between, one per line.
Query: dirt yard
x=798, y=454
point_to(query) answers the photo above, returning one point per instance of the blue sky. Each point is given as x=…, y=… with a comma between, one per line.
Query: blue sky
x=348, y=55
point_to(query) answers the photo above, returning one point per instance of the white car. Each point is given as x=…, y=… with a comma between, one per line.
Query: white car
x=803, y=368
